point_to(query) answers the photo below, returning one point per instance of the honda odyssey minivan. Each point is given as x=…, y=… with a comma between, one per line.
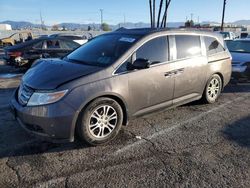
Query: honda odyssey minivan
x=117, y=77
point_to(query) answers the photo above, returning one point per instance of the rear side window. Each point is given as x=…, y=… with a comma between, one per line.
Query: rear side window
x=68, y=45
x=187, y=46
x=155, y=50
x=53, y=44
x=213, y=46
x=38, y=45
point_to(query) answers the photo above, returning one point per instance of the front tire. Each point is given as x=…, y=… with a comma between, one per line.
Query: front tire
x=100, y=122
x=213, y=89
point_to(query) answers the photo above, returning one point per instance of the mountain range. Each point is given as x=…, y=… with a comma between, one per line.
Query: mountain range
x=72, y=26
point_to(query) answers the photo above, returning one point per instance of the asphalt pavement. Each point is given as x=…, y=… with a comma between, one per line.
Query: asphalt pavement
x=195, y=145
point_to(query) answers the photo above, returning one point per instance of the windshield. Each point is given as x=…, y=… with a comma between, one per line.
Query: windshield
x=239, y=46
x=103, y=50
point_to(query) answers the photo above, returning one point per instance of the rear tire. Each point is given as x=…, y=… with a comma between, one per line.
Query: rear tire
x=213, y=89
x=100, y=122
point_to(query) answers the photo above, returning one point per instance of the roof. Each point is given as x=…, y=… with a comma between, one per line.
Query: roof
x=148, y=31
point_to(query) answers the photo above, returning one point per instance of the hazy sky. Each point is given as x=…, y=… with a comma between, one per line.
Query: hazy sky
x=87, y=11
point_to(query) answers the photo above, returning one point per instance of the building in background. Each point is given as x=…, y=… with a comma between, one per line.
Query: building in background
x=5, y=27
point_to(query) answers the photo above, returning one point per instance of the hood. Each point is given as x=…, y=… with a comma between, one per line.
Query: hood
x=50, y=73
x=240, y=57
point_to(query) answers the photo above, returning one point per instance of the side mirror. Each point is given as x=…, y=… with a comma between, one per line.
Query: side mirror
x=141, y=64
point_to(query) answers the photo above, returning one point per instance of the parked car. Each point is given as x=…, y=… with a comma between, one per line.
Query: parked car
x=45, y=47
x=228, y=35
x=117, y=77
x=240, y=50
x=16, y=38
x=76, y=38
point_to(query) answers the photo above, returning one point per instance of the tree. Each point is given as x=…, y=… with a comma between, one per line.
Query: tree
x=105, y=27
x=55, y=28
x=189, y=23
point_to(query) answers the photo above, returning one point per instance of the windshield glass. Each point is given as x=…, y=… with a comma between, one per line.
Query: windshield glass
x=103, y=50
x=239, y=46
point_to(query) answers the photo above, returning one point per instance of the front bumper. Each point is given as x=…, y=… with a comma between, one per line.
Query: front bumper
x=53, y=122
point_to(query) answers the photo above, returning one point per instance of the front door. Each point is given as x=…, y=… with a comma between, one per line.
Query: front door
x=152, y=88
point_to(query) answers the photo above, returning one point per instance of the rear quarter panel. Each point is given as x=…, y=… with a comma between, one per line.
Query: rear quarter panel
x=221, y=64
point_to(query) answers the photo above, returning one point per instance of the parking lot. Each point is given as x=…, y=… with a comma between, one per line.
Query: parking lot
x=195, y=145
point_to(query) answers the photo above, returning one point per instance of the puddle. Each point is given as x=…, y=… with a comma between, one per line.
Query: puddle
x=8, y=76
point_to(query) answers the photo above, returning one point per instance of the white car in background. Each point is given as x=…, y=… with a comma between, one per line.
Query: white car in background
x=76, y=38
x=228, y=35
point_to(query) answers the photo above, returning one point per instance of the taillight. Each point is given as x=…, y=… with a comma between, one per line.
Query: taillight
x=14, y=54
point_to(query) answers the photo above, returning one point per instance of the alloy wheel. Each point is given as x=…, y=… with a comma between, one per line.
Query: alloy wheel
x=103, y=121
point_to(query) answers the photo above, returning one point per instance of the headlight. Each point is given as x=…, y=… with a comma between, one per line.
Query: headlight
x=38, y=99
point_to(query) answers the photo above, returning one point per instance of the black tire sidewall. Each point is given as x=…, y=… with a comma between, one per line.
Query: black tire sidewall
x=207, y=99
x=83, y=130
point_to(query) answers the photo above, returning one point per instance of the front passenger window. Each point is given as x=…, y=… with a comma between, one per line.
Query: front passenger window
x=156, y=50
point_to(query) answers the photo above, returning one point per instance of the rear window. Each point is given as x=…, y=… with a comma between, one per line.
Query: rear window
x=213, y=46
x=239, y=46
x=187, y=46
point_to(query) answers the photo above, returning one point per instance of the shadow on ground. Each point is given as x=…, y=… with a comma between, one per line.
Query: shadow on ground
x=239, y=132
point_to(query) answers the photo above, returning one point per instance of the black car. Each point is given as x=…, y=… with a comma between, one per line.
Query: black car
x=45, y=47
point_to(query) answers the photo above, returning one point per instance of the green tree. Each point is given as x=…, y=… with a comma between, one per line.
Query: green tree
x=105, y=27
x=189, y=23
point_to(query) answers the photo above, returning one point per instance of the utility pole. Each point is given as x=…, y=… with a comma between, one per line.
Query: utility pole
x=151, y=13
x=41, y=19
x=192, y=15
x=159, y=14
x=223, y=15
x=164, y=19
x=157, y=22
x=124, y=19
x=101, y=10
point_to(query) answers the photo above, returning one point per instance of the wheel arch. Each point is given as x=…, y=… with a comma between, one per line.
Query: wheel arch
x=221, y=77
x=118, y=99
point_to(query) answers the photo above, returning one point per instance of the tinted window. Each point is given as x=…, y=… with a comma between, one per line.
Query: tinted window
x=213, y=46
x=187, y=46
x=155, y=50
x=38, y=45
x=68, y=45
x=53, y=44
x=239, y=46
x=103, y=50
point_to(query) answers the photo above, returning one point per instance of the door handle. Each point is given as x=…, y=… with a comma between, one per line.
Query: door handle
x=169, y=74
x=175, y=72
x=179, y=71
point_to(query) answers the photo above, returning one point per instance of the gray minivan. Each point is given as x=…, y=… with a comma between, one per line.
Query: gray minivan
x=119, y=76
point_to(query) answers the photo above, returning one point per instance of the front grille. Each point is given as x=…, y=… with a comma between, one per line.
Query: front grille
x=24, y=94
